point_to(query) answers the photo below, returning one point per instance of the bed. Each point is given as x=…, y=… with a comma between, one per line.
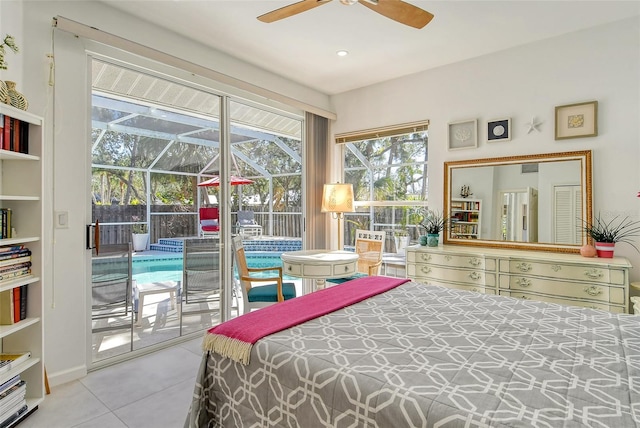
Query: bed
x=427, y=356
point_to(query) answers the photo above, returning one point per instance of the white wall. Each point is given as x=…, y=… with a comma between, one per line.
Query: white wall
x=601, y=63
x=67, y=167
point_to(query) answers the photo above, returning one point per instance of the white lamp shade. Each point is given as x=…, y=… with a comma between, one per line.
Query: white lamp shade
x=337, y=198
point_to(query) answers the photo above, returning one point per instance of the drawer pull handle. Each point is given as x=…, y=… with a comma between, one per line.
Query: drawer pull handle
x=475, y=289
x=593, y=274
x=475, y=261
x=425, y=269
x=290, y=268
x=448, y=258
x=475, y=276
x=523, y=297
x=556, y=268
x=593, y=290
x=346, y=268
x=523, y=282
x=425, y=257
x=523, y=267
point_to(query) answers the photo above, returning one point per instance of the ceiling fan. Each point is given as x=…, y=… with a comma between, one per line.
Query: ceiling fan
x=397, y=10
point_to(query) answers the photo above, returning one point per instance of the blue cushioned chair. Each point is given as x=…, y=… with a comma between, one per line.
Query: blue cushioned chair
x=259, y=296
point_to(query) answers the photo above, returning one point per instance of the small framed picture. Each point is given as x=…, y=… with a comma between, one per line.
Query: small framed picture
x=499, y=130
x=577, y=120
x=463, y=134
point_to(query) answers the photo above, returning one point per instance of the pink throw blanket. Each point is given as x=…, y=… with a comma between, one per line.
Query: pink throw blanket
x=235, y=338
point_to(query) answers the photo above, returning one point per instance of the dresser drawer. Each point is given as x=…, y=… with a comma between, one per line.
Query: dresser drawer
x=467, y=276
x=472, y=262
x=564, y=271
x=577, y=289
x=345, y=269
x=472, y=288
x=569, y=302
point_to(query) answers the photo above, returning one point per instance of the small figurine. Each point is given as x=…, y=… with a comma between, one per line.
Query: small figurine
x=465, y=191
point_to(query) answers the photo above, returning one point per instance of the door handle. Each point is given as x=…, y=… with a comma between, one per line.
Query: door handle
x=93, y=237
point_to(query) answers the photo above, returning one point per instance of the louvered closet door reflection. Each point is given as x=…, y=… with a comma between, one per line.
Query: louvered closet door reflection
x=566, y=221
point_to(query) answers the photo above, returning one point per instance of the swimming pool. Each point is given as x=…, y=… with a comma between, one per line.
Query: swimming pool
x=149, y=269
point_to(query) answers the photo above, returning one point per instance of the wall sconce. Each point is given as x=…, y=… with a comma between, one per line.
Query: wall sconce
x=337, y=199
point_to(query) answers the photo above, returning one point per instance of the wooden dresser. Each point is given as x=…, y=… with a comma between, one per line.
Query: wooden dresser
x=568, y=279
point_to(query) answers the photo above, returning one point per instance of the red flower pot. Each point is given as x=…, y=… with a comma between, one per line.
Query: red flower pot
x=605, y=249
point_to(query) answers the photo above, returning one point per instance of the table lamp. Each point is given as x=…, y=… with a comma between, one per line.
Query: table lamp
x=337, y=198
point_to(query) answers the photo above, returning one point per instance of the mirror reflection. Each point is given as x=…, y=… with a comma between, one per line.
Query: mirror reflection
x=535, y=200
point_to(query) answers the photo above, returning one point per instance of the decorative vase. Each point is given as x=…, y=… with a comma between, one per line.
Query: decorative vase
x=401, y=243
x=588, y=251
x=139, y=241
x=4, y=93
x=432, y=239
x=605, y=249
x=423, y=240
x=16, y=98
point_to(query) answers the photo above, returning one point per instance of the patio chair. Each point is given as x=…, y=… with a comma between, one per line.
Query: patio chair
x=209, y=221
x=247, y=224
x=111, y=290
x=369, y=247
x=259, y=296
x=200, y=276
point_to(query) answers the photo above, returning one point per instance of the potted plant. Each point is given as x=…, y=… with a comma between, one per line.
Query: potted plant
x=606, y=234
x=433, y=222
x=139, y=235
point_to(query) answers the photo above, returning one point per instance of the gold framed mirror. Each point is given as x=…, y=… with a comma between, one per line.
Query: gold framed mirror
x=536, y=202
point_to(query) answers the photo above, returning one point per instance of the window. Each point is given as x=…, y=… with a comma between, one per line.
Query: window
x=388, y=170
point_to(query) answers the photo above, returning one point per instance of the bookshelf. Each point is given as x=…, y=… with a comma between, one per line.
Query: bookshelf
x=465, y=218
x=21, y=187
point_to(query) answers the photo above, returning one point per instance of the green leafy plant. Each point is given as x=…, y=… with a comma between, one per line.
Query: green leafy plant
x=613, y=230
x=10, y=43
x=139, y=227
x=433, y=222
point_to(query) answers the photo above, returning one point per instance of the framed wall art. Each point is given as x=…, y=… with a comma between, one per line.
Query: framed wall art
x=577, y=120
x=499, y=130
x=463, y=134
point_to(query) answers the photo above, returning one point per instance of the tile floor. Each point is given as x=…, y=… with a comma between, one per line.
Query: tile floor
x=150, y=391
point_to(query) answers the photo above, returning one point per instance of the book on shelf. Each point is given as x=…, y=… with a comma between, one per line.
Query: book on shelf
x=12, y=396
x=16, y=260
x=15, y=134
x=6, y=131
x=8, y=314
x=8, y=384
x=10, y=360
x=16, y=305
x=15, y=254
x=5, y=223
x=18, y=266
x=14, y=274
x=13, y=415
x=11, y=248
x=23, y=301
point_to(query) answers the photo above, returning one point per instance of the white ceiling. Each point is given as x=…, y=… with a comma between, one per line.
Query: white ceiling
x=303, y=48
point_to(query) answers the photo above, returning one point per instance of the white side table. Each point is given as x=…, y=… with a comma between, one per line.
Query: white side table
x=145, y=289
x=319, y=265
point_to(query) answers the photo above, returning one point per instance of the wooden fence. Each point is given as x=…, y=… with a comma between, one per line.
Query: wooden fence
x=176, y=221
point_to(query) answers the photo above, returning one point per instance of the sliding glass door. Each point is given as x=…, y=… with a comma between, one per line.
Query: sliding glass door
x=158, y=151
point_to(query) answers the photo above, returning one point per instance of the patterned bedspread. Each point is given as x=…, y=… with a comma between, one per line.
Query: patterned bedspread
x=428, y=356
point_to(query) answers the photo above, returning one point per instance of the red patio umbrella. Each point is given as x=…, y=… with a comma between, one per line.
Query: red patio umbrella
x=215, y=181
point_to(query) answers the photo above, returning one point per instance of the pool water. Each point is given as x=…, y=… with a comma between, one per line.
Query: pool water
x=157, y=270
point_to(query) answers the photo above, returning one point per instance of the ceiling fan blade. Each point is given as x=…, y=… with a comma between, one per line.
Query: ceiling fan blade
x=400, y=11
x=290, y=10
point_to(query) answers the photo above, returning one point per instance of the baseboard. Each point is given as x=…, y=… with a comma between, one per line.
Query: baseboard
x=64, y=376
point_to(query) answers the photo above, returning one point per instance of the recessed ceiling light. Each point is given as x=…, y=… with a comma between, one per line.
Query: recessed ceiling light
x=342, y=53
